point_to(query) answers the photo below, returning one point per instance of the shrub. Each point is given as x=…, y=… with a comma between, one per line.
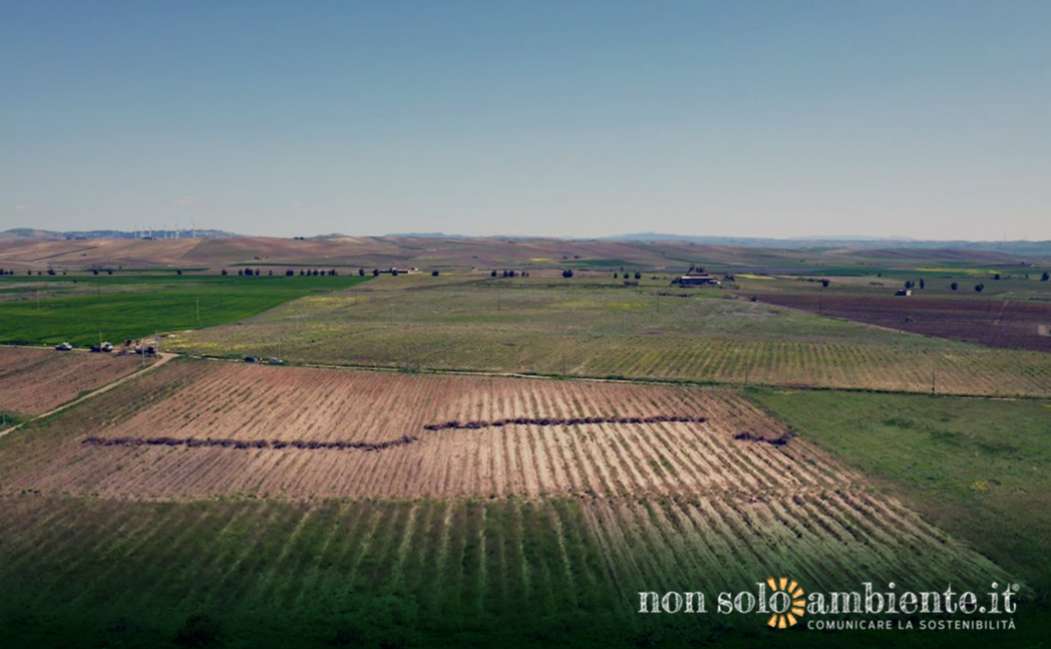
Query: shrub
x=199, y=630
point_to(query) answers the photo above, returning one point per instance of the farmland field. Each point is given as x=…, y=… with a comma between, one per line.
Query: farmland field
x=84, y=309
x=593, y=326
x=395, y=452
x=995, y=323
x=422, y=497
x=522, y=510
x=33, y=381
x=979, y=468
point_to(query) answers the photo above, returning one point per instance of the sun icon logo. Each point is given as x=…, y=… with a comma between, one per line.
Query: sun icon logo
x=786, y=601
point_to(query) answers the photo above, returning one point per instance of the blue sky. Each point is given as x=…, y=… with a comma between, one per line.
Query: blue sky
x=928, y=120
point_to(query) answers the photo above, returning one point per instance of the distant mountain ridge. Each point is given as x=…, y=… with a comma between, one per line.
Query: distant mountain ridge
x=32, y=233
x=1018, y=247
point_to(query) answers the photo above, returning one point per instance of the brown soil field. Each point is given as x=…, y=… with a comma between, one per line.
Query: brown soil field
x=194, y=429
x=996, y=323
x=687, y=440
x=33, y=381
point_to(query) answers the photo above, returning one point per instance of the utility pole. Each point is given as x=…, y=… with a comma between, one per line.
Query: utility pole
x=934, y=366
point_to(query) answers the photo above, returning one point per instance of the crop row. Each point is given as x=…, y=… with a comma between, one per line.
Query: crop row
x=434, y=567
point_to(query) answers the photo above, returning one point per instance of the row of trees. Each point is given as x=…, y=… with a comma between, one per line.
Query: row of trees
x=509, y=273
x=303, y=272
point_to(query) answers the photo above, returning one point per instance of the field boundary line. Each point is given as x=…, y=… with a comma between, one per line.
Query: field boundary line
x=554, y=376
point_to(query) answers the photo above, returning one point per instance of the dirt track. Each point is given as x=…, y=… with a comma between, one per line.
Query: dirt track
x=33, y=380
x=153, y=364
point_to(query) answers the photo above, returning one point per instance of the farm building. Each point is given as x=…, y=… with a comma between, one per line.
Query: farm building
x=701, y=279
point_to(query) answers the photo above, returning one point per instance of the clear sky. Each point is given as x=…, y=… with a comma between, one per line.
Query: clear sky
x=921, y=119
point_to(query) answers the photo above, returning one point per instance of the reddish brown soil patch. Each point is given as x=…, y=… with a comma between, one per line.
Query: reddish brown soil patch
x=992, y=322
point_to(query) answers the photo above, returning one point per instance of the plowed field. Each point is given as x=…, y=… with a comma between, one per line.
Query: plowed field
x=33, y=381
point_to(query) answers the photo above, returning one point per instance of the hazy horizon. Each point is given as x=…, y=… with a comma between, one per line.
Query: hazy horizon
x=627, y=236
x=584, y=120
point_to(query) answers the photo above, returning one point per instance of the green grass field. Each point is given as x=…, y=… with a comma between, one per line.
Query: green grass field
x=84, y=309
x=978, y=468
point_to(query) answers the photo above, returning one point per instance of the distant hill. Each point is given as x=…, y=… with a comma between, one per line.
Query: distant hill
x=44, y=235
x=1017, y=248
x=29, y=233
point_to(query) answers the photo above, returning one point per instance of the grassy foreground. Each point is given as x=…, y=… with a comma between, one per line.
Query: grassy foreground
x=85, y=309
x=978, y=468
x=463, y=573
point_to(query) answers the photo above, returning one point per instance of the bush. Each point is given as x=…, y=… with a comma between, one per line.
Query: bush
x=199, y=630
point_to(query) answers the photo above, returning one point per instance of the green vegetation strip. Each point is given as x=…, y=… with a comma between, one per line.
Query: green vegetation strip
x=978, y=468
x=85, y=309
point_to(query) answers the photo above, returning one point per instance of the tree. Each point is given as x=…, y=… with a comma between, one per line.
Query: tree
x=224, y=273
x=1046, y=276
x=361, y=272
x=567, y=273
x=922, y=283
x=434, y=273
x=376, y=272
x=290, y=273
x=825, y=283
x=638, y=275
x=178, y=271
x=614, y=276
x=978, y=288
x=954, y=286
x=996, y=277
x=492, y=274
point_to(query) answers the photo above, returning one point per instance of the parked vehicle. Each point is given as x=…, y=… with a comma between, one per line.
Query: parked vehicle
x=63, y=347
